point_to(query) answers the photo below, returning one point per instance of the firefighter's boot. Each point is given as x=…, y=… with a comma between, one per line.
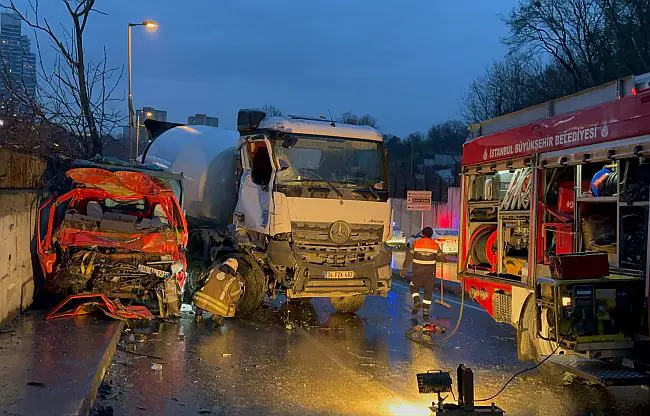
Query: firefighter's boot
x=416, y=304
x=426, y=310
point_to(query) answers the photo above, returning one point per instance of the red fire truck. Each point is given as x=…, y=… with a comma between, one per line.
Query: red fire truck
x=554, y=228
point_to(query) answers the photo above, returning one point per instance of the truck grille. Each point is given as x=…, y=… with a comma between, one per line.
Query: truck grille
x=318, y=233
x=337, y=256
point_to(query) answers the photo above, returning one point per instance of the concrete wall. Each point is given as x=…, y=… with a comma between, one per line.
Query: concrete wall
x=20, y=182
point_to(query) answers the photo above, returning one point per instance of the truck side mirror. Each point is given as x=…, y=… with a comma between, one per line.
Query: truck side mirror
x=289, y=142
x=283, y=165
x=381, y=186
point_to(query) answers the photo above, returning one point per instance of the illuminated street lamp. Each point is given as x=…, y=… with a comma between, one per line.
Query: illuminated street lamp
x=151, y=26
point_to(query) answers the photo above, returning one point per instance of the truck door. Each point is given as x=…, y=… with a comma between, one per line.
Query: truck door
x=255, y=189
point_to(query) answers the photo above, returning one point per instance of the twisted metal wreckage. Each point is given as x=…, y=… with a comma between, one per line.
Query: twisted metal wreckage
x=119, y=232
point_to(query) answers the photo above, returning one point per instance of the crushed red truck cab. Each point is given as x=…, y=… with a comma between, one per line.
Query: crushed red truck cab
x=120, y=231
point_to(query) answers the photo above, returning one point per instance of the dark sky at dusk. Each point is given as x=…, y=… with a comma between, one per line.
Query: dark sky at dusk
x=406, y=62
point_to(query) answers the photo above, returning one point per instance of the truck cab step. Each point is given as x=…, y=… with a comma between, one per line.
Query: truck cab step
x=600, y=372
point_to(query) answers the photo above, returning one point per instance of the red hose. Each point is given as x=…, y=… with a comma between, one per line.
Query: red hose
x=491, y=249
x=482, y=246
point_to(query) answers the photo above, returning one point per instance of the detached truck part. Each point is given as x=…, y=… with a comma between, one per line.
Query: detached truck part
x=302, y=203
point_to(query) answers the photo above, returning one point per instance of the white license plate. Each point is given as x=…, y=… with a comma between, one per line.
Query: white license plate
x=160, y=273
x=339, y=274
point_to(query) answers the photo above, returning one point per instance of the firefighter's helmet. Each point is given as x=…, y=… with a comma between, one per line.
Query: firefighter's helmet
x=229, y=266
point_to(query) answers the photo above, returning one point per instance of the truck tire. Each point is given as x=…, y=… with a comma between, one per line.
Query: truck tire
x=529, y=345
x=254, y=284
x=348, y=304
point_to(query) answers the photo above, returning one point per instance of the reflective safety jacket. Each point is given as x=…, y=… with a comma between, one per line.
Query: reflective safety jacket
x=219, y=294
x=423, y=256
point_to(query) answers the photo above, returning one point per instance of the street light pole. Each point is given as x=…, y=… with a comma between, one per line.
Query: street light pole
x=130, y=98
x=150, y=26
x=137, y=136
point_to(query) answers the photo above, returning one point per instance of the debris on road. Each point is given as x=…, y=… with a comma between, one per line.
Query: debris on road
x=423, y=333
x=156, y=366
x=87, y=303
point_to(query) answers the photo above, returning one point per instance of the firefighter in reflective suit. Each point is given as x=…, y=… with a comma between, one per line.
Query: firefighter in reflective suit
x=423, y=257
x=219, y=292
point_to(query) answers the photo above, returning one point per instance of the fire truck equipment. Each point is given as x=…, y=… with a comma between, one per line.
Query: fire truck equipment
x=518, y=195
x=604, y=182
x=565, y=198
x=422, y=334
x=579, y=266
x=483, y=246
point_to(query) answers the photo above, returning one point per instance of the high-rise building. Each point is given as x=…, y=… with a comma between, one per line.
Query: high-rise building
x=17, y=62
x=141, y=134
x=140, y=116
x=203, y=120
x=151, y=113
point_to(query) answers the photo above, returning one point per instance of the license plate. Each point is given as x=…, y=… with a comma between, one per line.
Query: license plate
x=160, y=273
x=339, y=274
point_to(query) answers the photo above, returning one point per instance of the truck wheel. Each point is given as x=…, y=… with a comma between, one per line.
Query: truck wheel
x=254, y=284
x=348, y=304
x=529, y=345
x=526, y=349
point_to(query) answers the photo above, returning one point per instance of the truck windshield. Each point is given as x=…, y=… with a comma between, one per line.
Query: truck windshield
x=331, y=159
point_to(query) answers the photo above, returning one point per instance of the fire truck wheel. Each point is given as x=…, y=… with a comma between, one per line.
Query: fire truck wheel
x=526, y=349
x=530, y=345
x=348, y=304
x=254, y=284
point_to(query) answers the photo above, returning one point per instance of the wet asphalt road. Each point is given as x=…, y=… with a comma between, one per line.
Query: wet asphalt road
x=336, y=365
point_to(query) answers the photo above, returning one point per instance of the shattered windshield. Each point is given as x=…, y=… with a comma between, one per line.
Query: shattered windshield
x=331, y=159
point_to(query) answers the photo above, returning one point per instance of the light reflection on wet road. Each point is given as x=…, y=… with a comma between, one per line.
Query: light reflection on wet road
x=339, y=364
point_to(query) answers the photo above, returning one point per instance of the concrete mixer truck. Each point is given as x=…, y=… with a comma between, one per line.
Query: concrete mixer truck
x=302, y=204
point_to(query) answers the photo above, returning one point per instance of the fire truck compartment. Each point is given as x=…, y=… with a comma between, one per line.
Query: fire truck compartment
x=593, y=315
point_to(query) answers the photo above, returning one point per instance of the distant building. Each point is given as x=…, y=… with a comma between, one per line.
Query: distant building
x=17, y=62
x=152, y=114
x=141, y=115
x=203, y=120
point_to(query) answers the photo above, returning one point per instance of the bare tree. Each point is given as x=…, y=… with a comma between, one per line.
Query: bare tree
x=447, y=137
x=557, y=47
x=364, y=120
x=569, y=31
x=504, y=87
x=272, y=111
x=73, y=92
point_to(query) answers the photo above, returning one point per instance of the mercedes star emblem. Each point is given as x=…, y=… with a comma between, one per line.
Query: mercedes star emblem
x=340, y=232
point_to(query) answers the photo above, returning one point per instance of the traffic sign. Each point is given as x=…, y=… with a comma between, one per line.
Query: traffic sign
x=418, y=200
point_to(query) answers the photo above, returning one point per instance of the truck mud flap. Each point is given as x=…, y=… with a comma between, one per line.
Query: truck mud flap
x=599, y=371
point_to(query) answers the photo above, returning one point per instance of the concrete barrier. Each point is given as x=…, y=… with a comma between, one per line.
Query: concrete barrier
x=20, y=186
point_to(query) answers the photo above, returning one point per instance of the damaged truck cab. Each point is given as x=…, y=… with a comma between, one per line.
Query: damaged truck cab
x=302, y=202
x=119, y=231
